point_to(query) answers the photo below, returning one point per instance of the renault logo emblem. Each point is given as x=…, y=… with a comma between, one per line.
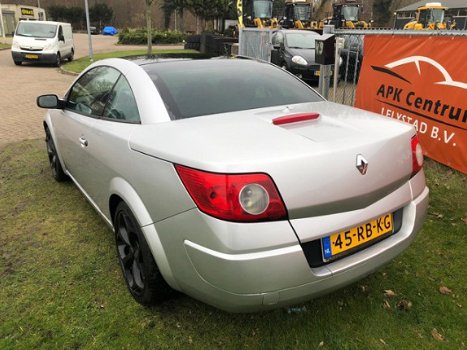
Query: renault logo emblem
x=362, y=164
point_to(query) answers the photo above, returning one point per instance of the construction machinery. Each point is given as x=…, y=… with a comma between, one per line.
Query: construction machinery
x=256, y=13
x=429, y=16
x=347, y=15
x=298, y=14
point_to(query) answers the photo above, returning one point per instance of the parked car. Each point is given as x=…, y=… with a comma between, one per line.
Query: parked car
x=94, y=30
x=233, y=181
x=294, y=50
x=42, y=42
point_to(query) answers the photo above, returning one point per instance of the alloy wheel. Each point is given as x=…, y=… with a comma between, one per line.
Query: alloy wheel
x=129, y=253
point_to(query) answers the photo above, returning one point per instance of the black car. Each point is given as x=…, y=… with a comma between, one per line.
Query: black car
x=294, y=50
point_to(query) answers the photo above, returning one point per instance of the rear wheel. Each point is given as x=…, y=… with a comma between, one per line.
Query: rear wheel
x=58, y=60
x=70, y=58
x=142, y=276
x=54, y=161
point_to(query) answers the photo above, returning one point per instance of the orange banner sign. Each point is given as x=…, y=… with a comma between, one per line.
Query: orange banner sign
x=420, y=80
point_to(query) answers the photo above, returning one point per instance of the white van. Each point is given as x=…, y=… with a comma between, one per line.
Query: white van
x=42, y=41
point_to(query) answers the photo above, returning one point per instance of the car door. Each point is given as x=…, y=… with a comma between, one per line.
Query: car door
x=75, y=125
x=108, y=152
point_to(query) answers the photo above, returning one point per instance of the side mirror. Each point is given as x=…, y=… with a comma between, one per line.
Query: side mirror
x=50, y=102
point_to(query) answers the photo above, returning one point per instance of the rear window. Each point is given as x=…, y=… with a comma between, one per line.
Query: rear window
x=202, y=87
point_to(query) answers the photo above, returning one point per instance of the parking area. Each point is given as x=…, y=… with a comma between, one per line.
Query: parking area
x=19, y=87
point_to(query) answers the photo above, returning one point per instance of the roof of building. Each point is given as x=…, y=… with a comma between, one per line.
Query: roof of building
x=451, y=4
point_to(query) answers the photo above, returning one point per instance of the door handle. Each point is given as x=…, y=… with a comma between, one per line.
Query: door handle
x=83, y=142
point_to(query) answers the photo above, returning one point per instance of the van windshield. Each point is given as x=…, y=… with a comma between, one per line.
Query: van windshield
x=36, y=30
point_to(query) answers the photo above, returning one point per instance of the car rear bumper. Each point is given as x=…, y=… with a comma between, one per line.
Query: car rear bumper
x=38, y=57
x=247, y=280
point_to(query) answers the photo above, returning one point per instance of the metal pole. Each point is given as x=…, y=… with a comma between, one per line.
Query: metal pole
x=39, y=3
x=89, y=30
x=1, y=21
x=339, y=46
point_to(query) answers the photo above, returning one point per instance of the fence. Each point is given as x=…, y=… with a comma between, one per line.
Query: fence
x=256, y=43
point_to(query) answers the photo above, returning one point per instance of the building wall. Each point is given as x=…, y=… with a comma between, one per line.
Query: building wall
x=12, y=14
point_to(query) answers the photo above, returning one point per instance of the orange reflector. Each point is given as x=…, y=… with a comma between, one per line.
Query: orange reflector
x=293, y=118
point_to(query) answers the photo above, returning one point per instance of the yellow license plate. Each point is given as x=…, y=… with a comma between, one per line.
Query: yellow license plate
x=33, y=57
x=346, y=240
x=317, y=73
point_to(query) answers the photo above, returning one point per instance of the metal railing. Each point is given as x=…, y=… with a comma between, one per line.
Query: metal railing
x=255, y=43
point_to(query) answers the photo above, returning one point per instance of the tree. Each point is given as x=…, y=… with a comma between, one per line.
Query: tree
x=206, y=9
x=101, y=13
x=73, y=15
x=382, y=12
x=171, y=6
x=149, y=4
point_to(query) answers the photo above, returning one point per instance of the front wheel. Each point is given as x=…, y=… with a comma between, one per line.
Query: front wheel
x=18, y=63
x=57, y=170
x=142, y=276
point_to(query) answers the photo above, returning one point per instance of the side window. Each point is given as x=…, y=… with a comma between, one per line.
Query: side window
x=60, y=32
x=122, y=105
x=90, y=93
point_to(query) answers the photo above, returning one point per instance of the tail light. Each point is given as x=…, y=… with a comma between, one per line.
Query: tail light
x=417, y=155
x=234, y=197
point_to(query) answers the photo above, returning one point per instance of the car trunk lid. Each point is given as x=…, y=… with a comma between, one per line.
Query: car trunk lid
x=314, y=163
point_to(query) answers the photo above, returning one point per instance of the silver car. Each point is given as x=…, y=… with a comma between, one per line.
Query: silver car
x=232, y=181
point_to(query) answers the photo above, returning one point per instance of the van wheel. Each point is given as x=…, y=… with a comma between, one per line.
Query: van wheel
x=18, y=63
x=58, y=60
x=71, y=56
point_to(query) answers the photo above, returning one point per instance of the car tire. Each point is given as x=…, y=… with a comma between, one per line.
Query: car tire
x=58, y=60
x=70, y=58
x=54, y=161
x=18, y=63
x=142, y=276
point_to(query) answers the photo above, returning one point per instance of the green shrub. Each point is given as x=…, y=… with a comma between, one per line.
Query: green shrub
x=139, y=37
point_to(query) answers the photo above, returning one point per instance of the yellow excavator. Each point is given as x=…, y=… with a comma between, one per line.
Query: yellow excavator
x=347, y=15
x=256, y=13
x=298, y=14
x=429, y=16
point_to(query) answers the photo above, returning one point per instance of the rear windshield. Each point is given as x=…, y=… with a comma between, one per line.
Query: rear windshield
x=202, y=87
x=36, y=30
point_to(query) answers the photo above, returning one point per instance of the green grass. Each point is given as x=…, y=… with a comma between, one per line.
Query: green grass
x=61, y=287
x=4, y=46
x=78, y=65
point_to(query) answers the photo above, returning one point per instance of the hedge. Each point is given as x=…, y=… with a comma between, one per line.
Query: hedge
x=139, y=37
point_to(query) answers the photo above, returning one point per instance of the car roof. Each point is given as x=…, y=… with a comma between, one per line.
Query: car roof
x=47, y=22
x=298, y=31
